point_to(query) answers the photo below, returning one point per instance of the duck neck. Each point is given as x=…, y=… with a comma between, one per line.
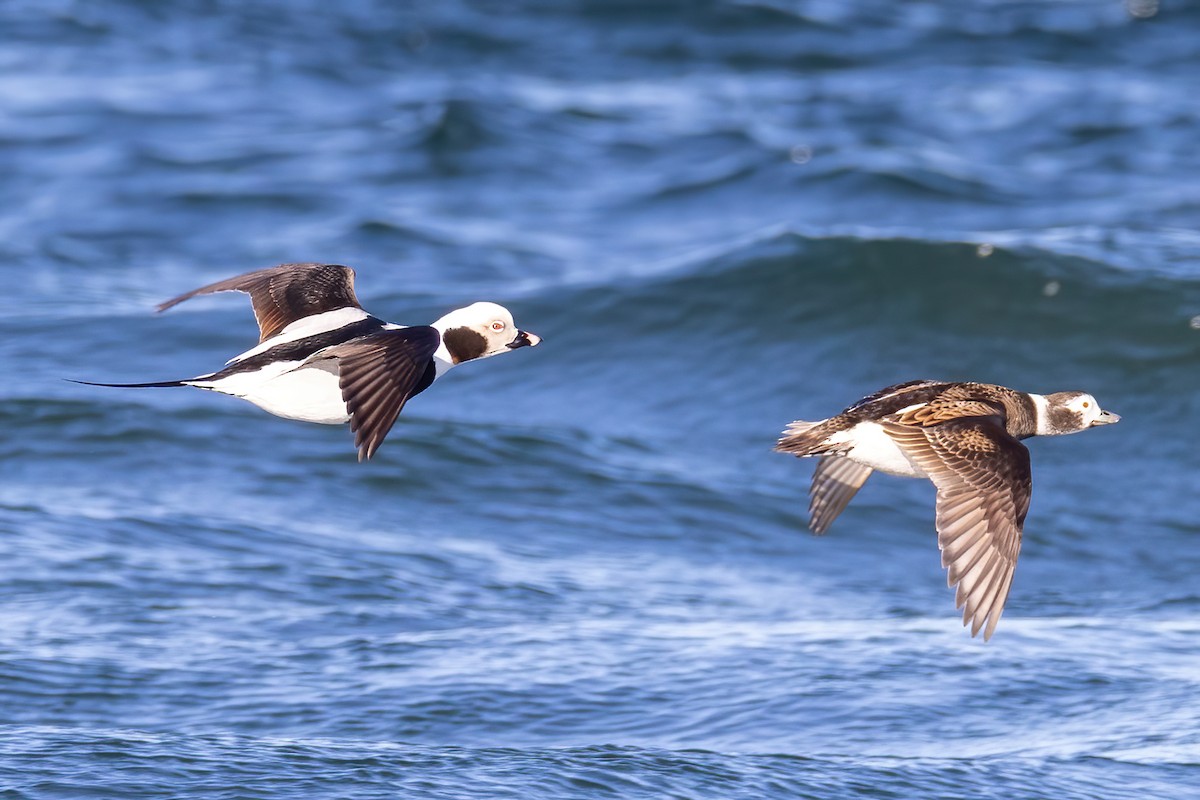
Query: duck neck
x=1037, y=423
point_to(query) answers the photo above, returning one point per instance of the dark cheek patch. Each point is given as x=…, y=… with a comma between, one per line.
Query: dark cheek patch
x=464, y=344
x=1063, y=419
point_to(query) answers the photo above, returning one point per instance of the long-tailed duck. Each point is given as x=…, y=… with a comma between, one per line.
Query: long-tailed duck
x=322, y=358
x=965, y=438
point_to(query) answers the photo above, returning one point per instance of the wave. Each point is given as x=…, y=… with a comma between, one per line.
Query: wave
x=712, y=356
x=216, y=763
x=796, y=290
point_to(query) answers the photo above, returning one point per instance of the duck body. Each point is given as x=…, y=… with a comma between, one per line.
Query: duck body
x=322, y=358
x=965, y=437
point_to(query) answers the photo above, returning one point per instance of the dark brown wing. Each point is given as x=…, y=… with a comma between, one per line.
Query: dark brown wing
x=834, y=484
x=283, y=294
x=378, y=374
x=892, y=398
x=984, y=483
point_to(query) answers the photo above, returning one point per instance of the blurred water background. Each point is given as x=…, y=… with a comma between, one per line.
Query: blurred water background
x=580, y=571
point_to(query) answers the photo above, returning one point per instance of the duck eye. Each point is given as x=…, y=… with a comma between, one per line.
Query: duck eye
x=1086, y=404
x=497, y=325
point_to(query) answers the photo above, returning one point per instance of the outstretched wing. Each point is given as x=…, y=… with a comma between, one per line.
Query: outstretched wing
x=983, y=485
x=378, y=374
x=834, y=483
x=283, y=294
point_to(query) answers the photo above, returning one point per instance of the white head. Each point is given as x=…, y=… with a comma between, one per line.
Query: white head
x=480, y=330
x=1071, y=412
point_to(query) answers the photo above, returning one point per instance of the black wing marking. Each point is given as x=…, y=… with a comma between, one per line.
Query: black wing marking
x=378, y=374
x=894, y=397
x=283, y=294
x=835, y=482
x=984, y=483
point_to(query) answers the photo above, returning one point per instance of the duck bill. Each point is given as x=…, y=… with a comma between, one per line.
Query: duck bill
x=1105, y=418
x=524, y=339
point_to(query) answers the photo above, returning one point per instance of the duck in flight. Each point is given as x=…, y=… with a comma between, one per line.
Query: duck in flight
x=965, y=438
x=322, y=358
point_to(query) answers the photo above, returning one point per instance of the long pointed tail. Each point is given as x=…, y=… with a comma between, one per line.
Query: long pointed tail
x=803, y=438
x=153, y=385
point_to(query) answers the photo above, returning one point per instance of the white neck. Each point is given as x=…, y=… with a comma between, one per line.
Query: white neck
x=1041, y=411
x=443, y=362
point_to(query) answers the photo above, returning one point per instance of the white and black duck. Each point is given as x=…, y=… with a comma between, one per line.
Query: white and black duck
x=322, y=358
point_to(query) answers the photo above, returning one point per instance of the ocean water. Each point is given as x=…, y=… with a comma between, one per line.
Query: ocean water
x=579, y=571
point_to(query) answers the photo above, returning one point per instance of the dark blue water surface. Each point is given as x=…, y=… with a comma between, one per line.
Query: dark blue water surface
x=579, y=570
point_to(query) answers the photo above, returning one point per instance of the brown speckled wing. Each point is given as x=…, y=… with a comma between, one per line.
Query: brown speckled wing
x=378, y=374
x=983, y=485
x=941, y=410
x=834, y=484
x=283, y=294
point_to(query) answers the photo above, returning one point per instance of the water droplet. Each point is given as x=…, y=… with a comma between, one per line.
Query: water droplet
x=801, y=154
x=1051, y=288
x=984, y=250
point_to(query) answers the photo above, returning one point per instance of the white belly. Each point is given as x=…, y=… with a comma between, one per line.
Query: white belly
x=309, y=394
x=871, y=446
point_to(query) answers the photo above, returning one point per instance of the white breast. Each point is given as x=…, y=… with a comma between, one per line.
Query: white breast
x=870, y=445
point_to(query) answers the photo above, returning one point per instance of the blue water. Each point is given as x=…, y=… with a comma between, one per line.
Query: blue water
x=579, y=570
